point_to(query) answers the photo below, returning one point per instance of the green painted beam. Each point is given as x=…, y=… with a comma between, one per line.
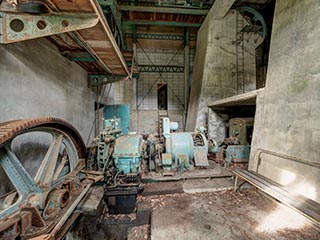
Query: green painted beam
x=159, y=36
x=78, y=56
x=187, y=11
x=160, y=23
x=82, y=59
x=106, y=2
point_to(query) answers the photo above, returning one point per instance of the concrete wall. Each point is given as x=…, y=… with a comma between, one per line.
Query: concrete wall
x=215, y=72
x=198, y=72
x=288, y=113
x=217, y=125
x=36, y=81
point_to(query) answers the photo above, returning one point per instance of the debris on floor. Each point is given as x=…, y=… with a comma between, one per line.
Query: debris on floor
x=218, y=215
x=224, y=215
x=139, y=233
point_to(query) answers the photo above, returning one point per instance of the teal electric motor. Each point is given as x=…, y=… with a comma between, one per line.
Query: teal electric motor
x=128, y=152
x=183, y=148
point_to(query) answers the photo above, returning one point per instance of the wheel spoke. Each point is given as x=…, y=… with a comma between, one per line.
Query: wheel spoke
x=15, y=171
x=63, y=162
x=47, y=167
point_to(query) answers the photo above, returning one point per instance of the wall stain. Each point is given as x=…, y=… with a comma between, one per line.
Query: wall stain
x=298, y=86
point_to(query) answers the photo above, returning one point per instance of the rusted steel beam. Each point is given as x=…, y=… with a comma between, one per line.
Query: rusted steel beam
x=16, y=27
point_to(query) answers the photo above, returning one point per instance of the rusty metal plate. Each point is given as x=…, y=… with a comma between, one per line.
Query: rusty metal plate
x=200, y=158
x=19, y=27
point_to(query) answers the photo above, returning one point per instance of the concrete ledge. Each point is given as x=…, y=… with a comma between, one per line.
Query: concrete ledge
x=245, y=99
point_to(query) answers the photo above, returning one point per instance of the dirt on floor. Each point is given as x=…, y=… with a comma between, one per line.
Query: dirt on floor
x=139, y=233
x=224, y=215
x=218, y=215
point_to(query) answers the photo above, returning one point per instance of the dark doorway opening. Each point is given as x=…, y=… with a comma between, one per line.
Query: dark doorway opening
x=162, y=96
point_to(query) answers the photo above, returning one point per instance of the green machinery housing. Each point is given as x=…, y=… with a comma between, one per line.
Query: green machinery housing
x=238, y=144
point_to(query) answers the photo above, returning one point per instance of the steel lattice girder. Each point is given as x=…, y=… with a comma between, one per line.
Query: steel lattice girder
x=161, y=69
x=15, y=27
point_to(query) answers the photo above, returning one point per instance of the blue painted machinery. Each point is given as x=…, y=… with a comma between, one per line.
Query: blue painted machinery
x=119, y=157
x=236, y=148
x=237, y=153
x=127, y=154
x=182, y=150
x=123, y=158
x=102, y=145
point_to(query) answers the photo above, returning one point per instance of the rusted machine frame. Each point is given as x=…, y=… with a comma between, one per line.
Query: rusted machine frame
x=16, y=27
x=26, y=217
x=83, y=21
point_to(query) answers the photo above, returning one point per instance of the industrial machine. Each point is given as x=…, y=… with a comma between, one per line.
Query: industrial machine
x=119, y=157
x=124, y=158
x=236, y=148
x=46, y=204
x=180, y=150
x=101, y=148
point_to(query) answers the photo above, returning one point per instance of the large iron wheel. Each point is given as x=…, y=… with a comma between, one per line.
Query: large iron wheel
x=44, y=196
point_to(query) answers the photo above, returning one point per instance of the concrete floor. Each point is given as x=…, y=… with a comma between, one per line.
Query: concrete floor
x=199, y=210
x=224, y=215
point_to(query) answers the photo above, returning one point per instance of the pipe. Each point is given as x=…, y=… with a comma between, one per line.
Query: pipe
x=284, y=156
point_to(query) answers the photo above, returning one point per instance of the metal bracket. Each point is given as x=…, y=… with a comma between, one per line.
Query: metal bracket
x=16, y=27
x=98, y=80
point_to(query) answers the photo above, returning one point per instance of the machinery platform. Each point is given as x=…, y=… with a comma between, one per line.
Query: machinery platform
x=214, y=170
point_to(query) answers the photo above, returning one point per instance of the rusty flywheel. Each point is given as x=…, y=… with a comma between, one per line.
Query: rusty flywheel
x=50, y=196
x=11, y=129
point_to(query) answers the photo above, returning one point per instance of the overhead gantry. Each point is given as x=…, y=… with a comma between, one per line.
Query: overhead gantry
x=78, y=28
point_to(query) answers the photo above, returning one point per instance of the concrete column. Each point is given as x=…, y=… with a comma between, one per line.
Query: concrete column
x=288, y=113
x=215, y=74
x=186, y=68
